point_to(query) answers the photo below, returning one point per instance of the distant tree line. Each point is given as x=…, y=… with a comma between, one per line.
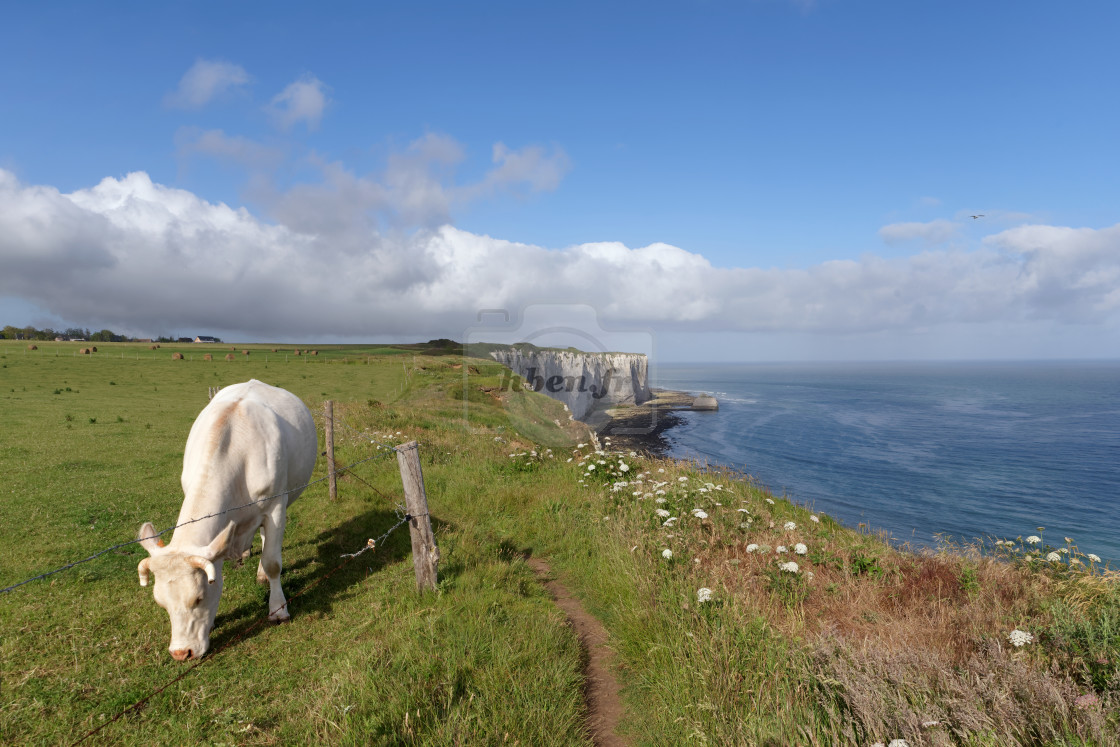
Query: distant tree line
x=72, y=333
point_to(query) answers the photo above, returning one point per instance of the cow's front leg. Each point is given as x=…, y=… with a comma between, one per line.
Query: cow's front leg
x=272, y=539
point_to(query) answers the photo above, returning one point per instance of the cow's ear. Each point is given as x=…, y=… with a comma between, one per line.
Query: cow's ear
x=149, y=539
x=221, y=543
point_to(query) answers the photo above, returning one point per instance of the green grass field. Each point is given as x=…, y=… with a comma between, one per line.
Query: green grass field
x=876, y=645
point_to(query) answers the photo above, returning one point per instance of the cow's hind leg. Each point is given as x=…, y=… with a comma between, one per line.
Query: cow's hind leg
x=272, y=535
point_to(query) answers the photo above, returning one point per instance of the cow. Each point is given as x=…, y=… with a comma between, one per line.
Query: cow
x=252, y=442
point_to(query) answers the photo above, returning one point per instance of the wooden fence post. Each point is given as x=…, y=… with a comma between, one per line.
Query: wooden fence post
x=425, y=554
x=328, y=436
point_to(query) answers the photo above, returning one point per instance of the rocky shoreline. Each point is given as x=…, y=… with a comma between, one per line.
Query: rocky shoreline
x=642, y=427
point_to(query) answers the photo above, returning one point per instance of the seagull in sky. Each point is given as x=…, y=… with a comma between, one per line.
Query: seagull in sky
x=974, y=217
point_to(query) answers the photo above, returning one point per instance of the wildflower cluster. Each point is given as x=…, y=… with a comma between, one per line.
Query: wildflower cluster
x=530, y=460
x=1034, y=552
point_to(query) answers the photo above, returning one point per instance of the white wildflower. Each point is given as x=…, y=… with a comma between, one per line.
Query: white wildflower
x=789, y=526
x=1063, y=550
x=1074, y=561
x=1033, y=539
x=662, y=500
x=813, y=518
x=898, y=743
x=770, y=501
x=781, y=549
x=661, y=470
x=1019, y=638
x=752, y=547
x=699, y=513
x=742, y=510
x=789, y=567
x=667, y=554
x=682, y=479
x=800, y=549
x=1094, y=558
x=1054, y=557
x=623, y=467
x=590, y=467
x=669, y=522
x=703, y=594
x=662, y=513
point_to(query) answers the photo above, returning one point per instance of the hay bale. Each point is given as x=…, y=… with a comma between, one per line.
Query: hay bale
x=152, y=347
x=176, y=356
x=244, y=352
x=274, y=350
x=85, y=351
x=314, y=352
x=207, y=357
x=32, y=347
x=93, y=349
x=229, y=356
x=296, y=352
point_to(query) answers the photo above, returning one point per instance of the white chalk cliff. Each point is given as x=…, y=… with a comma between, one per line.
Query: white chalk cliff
x=586, y=382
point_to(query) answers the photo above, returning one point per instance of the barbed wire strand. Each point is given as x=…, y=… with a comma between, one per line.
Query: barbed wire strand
x=370, y=544
x=96, y=555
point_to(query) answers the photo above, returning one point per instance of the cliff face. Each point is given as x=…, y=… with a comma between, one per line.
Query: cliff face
x=585, y=382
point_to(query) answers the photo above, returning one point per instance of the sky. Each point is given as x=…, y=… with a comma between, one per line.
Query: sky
x=751, y=180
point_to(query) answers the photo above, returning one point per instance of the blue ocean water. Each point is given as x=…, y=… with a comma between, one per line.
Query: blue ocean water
x=970, y=450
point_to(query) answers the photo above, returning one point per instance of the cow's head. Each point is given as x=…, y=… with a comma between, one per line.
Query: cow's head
x=188, y=585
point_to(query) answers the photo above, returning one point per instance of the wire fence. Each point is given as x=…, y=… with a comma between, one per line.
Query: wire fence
x=402, y=514
x=98, y=554
x=403, y=517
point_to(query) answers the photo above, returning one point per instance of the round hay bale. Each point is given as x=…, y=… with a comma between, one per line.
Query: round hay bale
x=176, y=356
x=32, y=347
x=274, y=350
x=152, y=347
x=229, y=356
x=85, y=351
x=314, y=352
x=93, y=349
x=244, y=352
x=207, y=357
x=296, y=352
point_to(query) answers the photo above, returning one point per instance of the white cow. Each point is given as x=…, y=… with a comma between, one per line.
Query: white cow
x=251, y=442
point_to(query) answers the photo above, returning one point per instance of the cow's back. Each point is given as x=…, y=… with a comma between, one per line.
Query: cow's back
x=251, y=441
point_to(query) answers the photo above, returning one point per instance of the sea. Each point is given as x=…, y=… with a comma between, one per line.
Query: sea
x=967, y=451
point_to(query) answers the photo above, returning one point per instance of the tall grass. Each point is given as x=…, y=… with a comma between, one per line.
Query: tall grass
x=865, y=642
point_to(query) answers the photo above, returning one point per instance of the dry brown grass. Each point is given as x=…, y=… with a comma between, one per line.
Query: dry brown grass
x=898, y=638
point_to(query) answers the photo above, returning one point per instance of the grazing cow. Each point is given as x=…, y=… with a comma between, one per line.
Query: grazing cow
x=251, y=442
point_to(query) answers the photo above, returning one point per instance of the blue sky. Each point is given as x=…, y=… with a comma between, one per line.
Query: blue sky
x=754, y=180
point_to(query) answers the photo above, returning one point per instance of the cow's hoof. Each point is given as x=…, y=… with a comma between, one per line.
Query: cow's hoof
x=261, y=578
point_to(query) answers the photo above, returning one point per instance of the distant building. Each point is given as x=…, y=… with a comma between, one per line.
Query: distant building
x=184, y=339
x=205, y=338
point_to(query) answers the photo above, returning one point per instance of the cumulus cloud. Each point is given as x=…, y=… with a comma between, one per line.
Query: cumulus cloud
x=301, y=101
x=929, y=233
x=416, y=188
x=141, y=256
x=206, y=80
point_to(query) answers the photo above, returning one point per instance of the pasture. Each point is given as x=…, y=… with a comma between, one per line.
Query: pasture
x=738, y=617
x=91, y=447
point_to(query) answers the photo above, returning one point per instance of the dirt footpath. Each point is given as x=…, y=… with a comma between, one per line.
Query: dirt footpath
x=604, y=705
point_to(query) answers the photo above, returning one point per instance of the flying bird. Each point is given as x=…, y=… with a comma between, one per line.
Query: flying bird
x=974, y=217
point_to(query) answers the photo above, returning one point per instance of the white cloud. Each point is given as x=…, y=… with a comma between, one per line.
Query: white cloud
x=301, y=101
x=206, y=80
x=141, y=256
x=234, y=148
x=930, y=233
